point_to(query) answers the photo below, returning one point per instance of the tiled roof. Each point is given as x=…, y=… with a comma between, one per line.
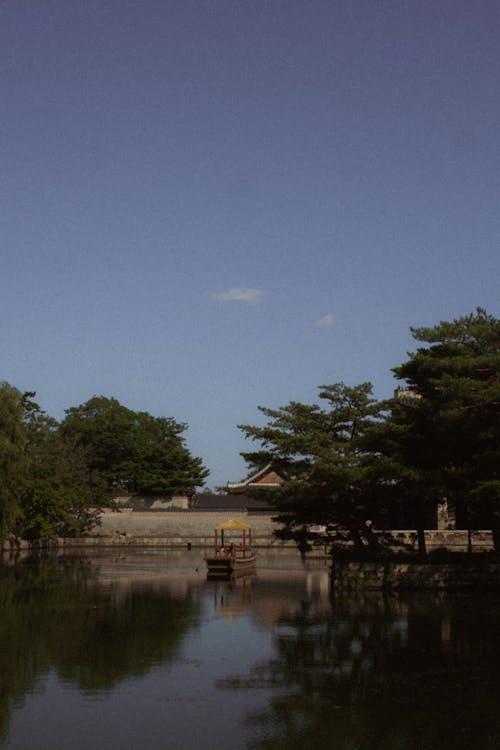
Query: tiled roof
x=207, y=501
x=265, y=477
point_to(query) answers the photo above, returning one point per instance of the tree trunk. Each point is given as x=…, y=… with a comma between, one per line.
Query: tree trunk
x=357, y=539
x=496, y=538
x=422, y=549
x=371, y=538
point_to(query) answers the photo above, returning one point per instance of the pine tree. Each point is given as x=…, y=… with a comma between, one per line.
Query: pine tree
x=448, y=434
x=333, y=479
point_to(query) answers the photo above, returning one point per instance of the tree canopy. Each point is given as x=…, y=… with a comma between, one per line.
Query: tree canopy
x=451, y=431
x=12, y=444
x=56, y=477
x=47, y=487
x=332, y=478
x=360, y=460
x=134, y=452
x=60, y=493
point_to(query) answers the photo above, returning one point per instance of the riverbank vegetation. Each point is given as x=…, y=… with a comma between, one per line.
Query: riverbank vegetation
x=57, y=476
x=351, y=462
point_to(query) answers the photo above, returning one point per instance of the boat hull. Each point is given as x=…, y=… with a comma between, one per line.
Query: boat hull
x=225, y=567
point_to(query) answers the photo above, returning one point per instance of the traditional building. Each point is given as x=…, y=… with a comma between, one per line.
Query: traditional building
x=235, y=498
x=266, y=478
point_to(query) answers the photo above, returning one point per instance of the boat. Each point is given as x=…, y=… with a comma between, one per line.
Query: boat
x=232, y=555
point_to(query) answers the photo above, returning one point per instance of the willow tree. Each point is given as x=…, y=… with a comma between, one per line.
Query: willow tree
x=60, y=494
x=46, y=485
x=12, y=445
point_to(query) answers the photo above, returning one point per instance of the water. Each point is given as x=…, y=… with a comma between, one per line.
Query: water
x=141, y=651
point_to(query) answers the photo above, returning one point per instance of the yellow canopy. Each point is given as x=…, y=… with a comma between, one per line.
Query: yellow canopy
x=232, y=524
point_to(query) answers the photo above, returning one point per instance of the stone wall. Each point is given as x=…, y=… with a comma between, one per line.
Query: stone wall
x=177, y=529
x=453, y=540
x=181, y=528
x=480, y=574
x=198, y=529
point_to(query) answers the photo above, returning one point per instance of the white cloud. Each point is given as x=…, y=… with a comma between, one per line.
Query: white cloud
x=238, y=294
x=326, y=320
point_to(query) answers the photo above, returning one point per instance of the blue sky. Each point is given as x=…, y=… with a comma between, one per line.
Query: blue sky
x=207, y=206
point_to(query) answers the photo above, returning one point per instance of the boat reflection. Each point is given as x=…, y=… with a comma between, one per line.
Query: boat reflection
x=234, y=597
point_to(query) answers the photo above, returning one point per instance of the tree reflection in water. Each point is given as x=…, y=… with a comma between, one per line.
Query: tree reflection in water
x=58, y=617
x=408, y=673
x=374, y=672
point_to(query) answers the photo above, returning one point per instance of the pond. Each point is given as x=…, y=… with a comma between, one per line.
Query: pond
x=139, y=650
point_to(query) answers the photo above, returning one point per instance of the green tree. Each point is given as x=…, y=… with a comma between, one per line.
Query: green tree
x=447, y=431
x=12, y=445
x=133, y=451
x=59, y=493
x=333, y=479
x=46, y=486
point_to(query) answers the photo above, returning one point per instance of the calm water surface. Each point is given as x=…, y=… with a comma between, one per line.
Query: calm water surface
x=141, y=651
